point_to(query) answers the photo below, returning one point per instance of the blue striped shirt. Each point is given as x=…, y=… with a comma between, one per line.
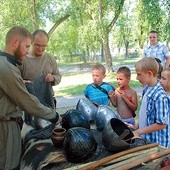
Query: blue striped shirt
x=97, y=96
x=159, y=51
x=158, y=112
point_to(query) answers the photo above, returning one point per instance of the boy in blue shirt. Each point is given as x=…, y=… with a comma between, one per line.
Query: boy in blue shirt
x=97, y=92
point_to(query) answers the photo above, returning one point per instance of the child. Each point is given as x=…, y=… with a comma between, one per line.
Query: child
x=154, y=110
x=97, y=92
x=165, y=80
x=124, y=98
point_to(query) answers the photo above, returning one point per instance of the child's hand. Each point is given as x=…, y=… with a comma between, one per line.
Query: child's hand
x=131, y=126
x=112, y=94
x=122, y=93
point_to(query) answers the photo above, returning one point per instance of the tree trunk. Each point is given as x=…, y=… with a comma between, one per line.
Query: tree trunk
x=107, y=54
x=84, y=57
x=126, y=49
x=57, y=23
x=34, y=16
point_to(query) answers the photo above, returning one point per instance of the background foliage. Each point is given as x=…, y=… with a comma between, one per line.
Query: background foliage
x=90, y=31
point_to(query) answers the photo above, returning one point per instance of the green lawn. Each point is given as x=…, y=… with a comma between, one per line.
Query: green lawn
x=73, y=84
x=77, y=86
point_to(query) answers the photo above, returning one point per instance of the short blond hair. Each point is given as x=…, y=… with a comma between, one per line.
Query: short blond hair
x=19, y=31
x=99, y=66
x=148, y=64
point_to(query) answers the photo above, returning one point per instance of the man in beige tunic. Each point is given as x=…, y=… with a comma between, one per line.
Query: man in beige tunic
x=38, y=62
x=14, y=96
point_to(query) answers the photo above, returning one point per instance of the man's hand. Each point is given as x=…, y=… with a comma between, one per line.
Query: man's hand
x=49, y=78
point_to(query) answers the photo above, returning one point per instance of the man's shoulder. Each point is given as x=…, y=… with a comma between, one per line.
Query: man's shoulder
x=48, y=54
x=49, y=57
x=158, y=45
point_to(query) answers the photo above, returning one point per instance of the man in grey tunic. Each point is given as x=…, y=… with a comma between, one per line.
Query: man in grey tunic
x=14, y=97
x=39, y=63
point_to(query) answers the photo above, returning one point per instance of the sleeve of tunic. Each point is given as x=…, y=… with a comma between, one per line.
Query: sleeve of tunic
x=15, y=94
x=55, y=73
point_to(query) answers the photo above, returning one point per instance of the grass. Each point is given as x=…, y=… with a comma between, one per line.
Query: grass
x=123, y=61
x=75, y=84
x=78, y=89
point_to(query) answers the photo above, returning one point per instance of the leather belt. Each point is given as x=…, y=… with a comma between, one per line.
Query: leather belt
x=18, y=120
x=11, y=119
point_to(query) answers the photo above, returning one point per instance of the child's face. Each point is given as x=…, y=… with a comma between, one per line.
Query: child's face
x=98, y=76
x=122, y=80
x=165, y=80
x=142, y=77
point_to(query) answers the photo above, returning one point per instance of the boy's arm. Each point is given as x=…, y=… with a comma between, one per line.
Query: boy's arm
x=149, y=129
x=112, y=97
x=134, y=127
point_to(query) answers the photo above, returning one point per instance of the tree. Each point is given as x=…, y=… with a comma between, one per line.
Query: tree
x=104, y=15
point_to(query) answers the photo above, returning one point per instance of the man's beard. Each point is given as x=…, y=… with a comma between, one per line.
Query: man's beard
x=17, y=53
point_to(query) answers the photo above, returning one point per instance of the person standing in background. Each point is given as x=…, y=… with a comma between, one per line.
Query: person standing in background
x=38, y=63
x=14, y=98
x=157, y=50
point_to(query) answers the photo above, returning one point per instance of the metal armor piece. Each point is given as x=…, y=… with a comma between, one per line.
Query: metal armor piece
x=40, y=123
x=103, y=115
x=116, y=136
x=73, y=118
x=79, y=144
x=87, y=108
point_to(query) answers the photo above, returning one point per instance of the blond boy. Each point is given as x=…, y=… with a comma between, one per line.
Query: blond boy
x=154, y=111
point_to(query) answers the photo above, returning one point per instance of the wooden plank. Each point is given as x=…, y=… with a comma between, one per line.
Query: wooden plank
x=127, y=161
x=128, y=156
x=143, y=153
x=103, y=161
x=137, y=161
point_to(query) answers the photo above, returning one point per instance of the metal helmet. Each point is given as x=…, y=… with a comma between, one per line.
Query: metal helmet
x=116, y=136
x=73, y=118
x=79, y=144
x=87, y=108
x=103, y=115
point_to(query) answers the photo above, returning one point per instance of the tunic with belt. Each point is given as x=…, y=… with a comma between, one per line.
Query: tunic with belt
x=14, y=98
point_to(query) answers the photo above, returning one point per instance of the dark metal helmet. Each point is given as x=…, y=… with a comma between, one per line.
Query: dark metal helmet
x=116, y=135
x=73, y=118
x=79, y=144
x=103, y=115
x=87, y=108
